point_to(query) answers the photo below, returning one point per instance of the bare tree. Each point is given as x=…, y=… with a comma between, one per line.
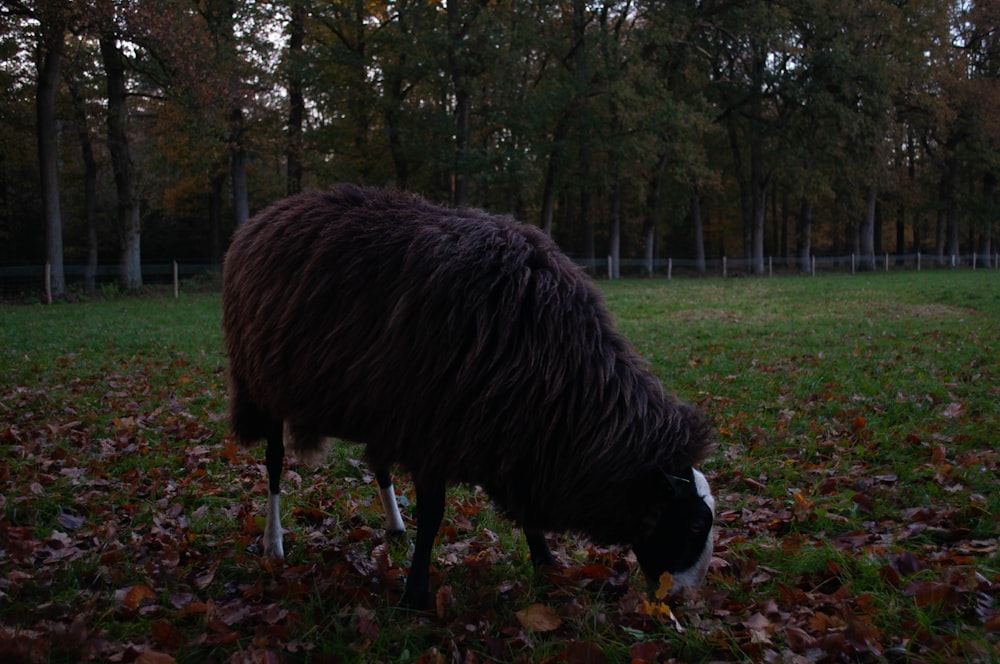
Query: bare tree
x=51, y=45
x=129, y=228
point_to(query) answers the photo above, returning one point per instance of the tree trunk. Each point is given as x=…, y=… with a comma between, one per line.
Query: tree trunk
x=804, y=236
x=653, y=210
x=463, y=130
x=216, y=187
x=785, y=215
x=867, y=231
x=615, y=235
x=89, y=184
x=986, y=237
x=759, y=182
x=900, y=233
x=551, y=172
x=458, y=63
x=746, y=205
x=698, y=228
x=947, y=240
x=586, y=208
x=296, y=102
x=759, y=191
x=238, y=168
x=549, y=195
x=49, y=60
x=129, y=230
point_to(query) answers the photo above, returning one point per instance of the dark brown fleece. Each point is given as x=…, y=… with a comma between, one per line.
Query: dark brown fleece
x=462, y=346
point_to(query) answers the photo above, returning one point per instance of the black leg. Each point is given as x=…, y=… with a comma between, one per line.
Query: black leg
x=540, y=553
x=430, y=511
x=383, y=477
x=274, y=458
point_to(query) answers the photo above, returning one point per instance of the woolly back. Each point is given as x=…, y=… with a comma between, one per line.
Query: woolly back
x=464, y=346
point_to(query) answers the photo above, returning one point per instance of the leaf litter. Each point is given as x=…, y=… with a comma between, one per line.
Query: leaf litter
x=130, y=523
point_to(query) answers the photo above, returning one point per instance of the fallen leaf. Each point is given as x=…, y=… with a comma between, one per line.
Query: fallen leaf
x=154, y=657
x=443, y=600
x=665, y=586
x=647, y=651
x=953, y=410
x=583, y=652
x=167, y=635
x=539, y=618
x=69, y=521
x=134, y=597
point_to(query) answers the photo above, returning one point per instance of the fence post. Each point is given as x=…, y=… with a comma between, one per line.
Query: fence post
x=918, y=261
x=974, y=256
x=670, y=269
x=48, y=283
x=723, y=267
x=887, y=261
x=954, y=263
x=852, y=263
x=770, y=266
x=175, y=281
x=814, y=265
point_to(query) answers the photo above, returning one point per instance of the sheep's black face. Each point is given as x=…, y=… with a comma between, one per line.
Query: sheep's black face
x=681, y=542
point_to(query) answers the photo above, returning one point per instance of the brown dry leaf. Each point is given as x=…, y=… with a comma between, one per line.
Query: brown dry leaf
x=583, y=652
x=443, y=600
x=539, y=618
x=647, y=651
x=798, y=639
x=801, y=501
x=134, y=597
x=954, y=410
x=931, y=593
x=167, y=635
x=154, y=657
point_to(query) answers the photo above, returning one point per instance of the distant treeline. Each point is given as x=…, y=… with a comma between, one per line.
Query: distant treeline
x=142, y=131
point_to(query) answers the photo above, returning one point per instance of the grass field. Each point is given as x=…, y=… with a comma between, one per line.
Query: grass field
x=856, y=481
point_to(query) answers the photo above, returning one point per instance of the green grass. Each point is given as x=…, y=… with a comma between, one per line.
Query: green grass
x=856, y=481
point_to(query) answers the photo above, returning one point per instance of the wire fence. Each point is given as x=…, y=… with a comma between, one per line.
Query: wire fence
x=771, y=266
x=30, y=283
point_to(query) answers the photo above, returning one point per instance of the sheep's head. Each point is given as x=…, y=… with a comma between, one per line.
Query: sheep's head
x=681, y=540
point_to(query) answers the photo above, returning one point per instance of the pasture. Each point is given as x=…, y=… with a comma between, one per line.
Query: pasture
x=856, y=483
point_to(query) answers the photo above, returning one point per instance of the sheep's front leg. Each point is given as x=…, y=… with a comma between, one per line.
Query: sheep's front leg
x=540, y=553
x=274, y=458
x=394, y=526
x=430, y=511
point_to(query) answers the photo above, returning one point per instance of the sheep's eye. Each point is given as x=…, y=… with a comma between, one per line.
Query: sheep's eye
x=696, y=527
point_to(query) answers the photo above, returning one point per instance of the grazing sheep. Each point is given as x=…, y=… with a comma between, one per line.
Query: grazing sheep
x=463, y=347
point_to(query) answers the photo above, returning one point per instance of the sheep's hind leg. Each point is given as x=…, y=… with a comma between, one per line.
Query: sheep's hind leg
x=541, y=556
x=430, y=511
x=394, y=526
x=274, y=458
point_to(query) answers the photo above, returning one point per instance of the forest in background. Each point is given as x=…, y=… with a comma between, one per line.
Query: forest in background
x=147, y=130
